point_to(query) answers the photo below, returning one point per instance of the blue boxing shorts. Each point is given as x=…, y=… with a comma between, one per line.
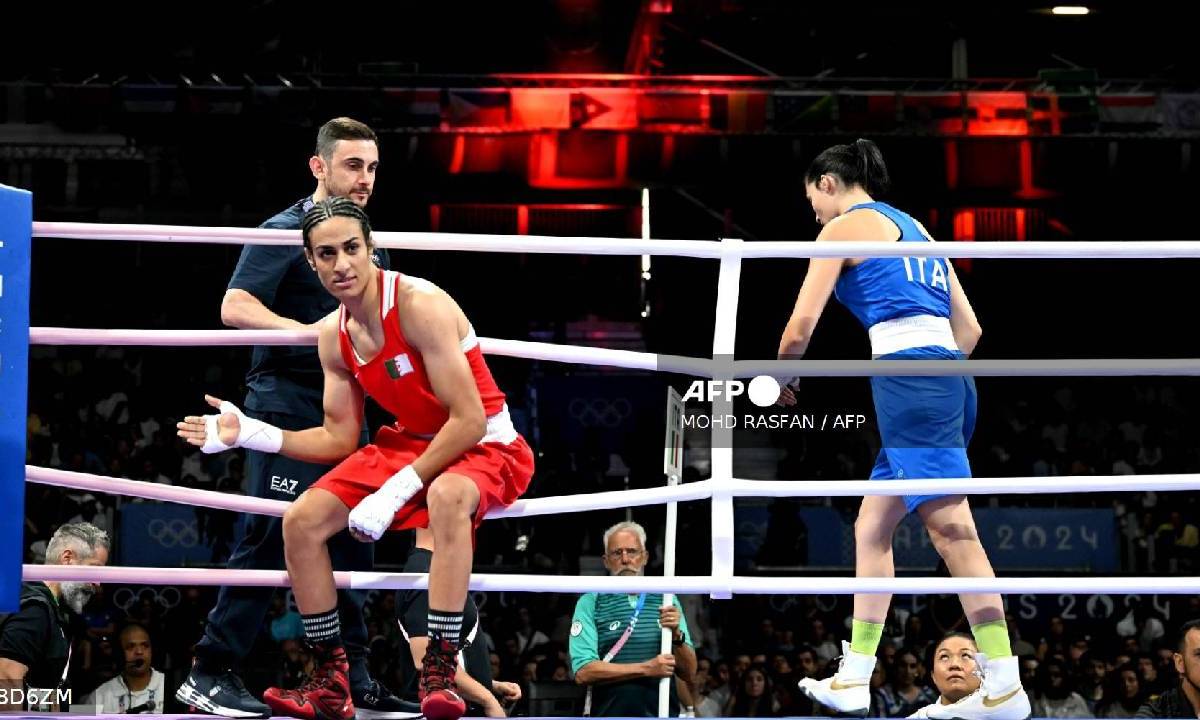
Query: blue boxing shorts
x=924, y=423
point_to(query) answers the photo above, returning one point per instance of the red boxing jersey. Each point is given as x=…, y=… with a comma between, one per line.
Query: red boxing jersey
x=396, y=376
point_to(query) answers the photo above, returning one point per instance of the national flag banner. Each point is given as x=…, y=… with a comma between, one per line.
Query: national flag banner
x=943, y=112
x=673, y=108
x=398, y=366
x=542, y=108
x=605, y=108
x=1121, y=111
x=867, y=111
x=421, y=107
x=802, y=110
x=997, y=113
x=149, y=98
x=738, y=111
x=487, y=107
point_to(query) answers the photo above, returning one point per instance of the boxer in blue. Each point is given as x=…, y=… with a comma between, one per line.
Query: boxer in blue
x=913, y=308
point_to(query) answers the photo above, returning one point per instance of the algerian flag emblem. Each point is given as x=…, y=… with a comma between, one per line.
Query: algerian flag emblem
x=398, y=366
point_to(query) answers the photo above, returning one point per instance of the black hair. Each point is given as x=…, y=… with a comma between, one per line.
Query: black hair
x=131, y=625
x=330, y=208
x=1188, y=626
x=858, y=163
x=341, y=128
x=931, y=653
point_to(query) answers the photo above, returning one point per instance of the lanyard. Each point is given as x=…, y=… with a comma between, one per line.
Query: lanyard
x=620, y=643
x=616, y=648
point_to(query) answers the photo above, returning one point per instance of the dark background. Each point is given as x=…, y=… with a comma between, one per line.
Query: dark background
x=240, y=89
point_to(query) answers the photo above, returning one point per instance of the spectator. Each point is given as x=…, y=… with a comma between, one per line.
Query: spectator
x=954, y=671
x=284, y=622
x=1155, y=682
x=1141, y=624
x=616, y=656
x=754, y=696
x=1183, y=700
x=1124, y=694
x=139, y=688
x=1029, y=673
x=719, y=691
x=1092, y=679
x=1020, y=646
x=1056, y=696
x=903, y=696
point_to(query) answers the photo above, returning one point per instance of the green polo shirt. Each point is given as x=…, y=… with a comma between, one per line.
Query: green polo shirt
x=599, y=621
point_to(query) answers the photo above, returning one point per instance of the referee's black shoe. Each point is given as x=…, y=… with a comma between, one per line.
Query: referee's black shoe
x=373, y=701
x=219, y=693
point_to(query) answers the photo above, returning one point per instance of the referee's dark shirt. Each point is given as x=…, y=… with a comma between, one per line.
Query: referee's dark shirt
x=286, y=378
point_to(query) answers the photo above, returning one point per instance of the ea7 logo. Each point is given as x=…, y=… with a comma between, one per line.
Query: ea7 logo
x=709, y=390
x=283, y=485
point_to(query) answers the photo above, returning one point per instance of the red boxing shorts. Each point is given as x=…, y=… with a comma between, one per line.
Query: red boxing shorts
x=501, y=471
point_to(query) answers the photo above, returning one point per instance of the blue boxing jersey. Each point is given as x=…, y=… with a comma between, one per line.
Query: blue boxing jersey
x=887, y=288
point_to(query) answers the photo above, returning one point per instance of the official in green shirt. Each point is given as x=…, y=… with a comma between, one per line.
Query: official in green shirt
x=615, y=638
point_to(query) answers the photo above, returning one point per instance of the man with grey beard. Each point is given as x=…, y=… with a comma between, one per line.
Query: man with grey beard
x=35, y=650
x=615, y=638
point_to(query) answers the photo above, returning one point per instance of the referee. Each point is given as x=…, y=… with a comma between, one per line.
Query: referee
x=273, y=288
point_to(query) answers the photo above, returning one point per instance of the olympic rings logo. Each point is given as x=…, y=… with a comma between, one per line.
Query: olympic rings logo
x=170, y=533
x=167, y=597
x=600, y=412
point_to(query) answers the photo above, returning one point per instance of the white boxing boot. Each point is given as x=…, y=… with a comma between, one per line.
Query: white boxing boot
x=999, y=697
x=849, y=690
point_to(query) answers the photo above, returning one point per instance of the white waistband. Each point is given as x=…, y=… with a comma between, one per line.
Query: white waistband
x=892, y=336
x=499, y=429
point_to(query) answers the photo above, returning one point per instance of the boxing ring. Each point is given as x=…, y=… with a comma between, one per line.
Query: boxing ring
x=720, y=489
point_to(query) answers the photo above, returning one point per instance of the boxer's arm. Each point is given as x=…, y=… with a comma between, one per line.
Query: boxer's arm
x=338, y=436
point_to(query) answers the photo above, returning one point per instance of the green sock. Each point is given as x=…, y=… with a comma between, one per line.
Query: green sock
x=865, y=636
x=992, y=638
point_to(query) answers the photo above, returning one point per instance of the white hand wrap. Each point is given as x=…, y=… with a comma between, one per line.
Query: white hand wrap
x=252, y=434
x=373, y=516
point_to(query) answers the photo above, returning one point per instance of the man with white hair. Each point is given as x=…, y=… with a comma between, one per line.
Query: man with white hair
x=615, y=646
x=35, y=651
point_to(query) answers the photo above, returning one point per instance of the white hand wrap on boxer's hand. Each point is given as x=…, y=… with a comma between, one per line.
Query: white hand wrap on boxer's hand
x=252, y=434
x=373, y=516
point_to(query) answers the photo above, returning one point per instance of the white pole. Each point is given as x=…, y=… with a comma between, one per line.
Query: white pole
x=673, y=468
x=645, y=258
x=664, y=688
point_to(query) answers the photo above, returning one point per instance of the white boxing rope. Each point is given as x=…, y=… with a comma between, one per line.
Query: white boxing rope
x=154, y=491
x=527, y=507
x=966, y=486
x=399, y=240
x=168, y=338
x=576, y=354
x=680, y=364
x=1037, y=249
x=607, y=500
x=628, y=246
x=1075, y=367
x=680, y=585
